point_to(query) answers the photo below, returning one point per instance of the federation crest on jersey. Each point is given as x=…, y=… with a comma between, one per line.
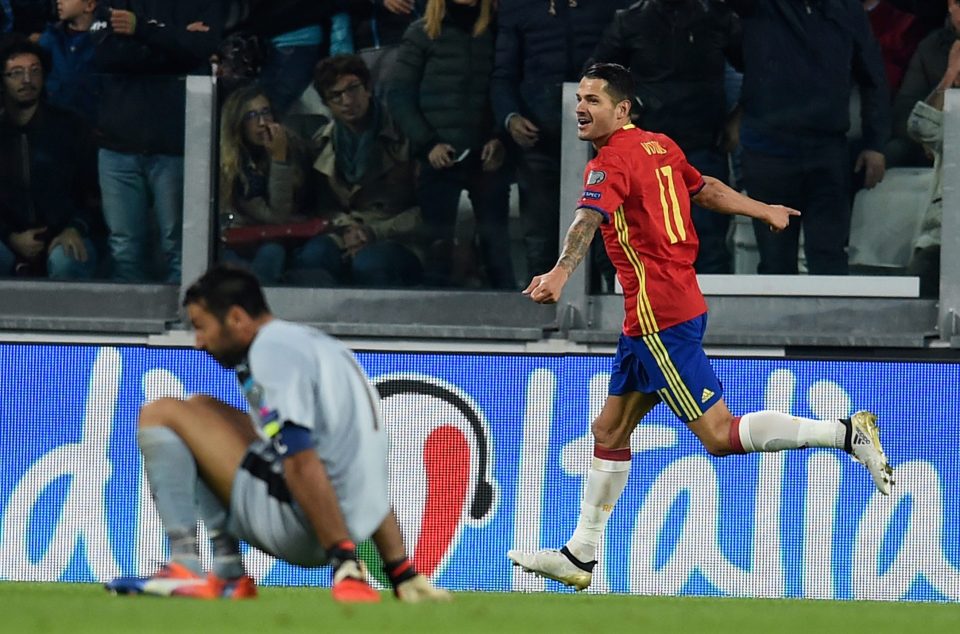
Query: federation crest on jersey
x=595, y=177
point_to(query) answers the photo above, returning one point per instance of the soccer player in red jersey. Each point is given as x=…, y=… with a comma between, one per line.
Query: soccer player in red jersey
x=637, y=190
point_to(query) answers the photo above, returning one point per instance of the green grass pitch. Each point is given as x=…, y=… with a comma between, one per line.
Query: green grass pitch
x=88, y=609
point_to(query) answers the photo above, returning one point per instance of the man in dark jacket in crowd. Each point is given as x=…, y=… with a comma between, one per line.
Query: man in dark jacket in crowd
x=540, y=45
x=146, y=46
x=681, y=87
x=45, y=175
x=801, y=59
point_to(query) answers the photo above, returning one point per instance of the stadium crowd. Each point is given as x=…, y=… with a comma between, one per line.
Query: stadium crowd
x=422, y=100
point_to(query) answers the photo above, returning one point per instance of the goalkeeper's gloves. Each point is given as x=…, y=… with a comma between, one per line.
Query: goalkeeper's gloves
x=349, y=575
x=411, y=587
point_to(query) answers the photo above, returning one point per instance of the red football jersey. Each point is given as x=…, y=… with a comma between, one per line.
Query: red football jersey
x=641, y=182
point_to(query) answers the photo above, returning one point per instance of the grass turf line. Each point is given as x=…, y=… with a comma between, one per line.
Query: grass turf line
x=88, y=609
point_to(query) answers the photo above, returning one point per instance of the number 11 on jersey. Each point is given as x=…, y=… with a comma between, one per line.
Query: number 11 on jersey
x=674, y=225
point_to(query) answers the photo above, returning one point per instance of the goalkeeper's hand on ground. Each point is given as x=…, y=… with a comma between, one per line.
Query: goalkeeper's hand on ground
x=350, y=576
x=418, y=588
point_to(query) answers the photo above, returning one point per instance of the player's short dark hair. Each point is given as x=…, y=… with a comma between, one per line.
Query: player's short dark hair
x=620, y=83
x=224, y=286
x=330, y=69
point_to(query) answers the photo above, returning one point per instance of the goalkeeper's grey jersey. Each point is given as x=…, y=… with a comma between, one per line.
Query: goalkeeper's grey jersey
x=301, y=375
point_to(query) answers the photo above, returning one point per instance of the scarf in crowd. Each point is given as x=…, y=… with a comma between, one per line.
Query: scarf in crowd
x=356, y=153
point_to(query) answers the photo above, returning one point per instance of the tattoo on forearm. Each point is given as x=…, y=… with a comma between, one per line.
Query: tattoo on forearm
x=577, y=242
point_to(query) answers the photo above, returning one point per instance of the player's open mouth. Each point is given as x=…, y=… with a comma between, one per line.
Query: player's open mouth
x=582, y=121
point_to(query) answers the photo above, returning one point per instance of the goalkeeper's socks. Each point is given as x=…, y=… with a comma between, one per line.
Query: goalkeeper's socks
x=172, y=474
x=228, y=566
x=183, y=550
x=399, y=571
x=227, y=563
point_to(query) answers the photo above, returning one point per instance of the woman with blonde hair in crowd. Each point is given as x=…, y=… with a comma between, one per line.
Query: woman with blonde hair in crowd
x=263, y=167
x=439, y=96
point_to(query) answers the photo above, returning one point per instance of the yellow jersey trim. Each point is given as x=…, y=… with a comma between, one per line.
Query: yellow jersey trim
x=648, y=323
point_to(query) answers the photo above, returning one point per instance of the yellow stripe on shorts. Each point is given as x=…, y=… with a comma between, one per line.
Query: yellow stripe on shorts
x=688, y=404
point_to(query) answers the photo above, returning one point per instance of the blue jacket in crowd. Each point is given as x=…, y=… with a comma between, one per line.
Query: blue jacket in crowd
x=71, y=82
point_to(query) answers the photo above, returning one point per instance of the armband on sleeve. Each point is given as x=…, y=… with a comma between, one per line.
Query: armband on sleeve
x=292, y=439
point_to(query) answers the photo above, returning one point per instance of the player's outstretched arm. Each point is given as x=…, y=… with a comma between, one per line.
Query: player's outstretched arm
x=546, y=288
x=721, y=198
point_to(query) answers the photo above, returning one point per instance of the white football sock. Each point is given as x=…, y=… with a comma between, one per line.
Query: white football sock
x=605, y=483
x=769, y=430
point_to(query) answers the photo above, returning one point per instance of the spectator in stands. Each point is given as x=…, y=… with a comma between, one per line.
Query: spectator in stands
x=925, y=125
x=440, y=98
x=378, y=27
x=288, y=64
x=898, y=33
x=924, y=73
x=45, y=156
x=801, y=60
x=146, y=51
x=540, y=45
x=365, y=185
x=263, y=169
x=681, y=87
x=71, y=83
x=290, y=58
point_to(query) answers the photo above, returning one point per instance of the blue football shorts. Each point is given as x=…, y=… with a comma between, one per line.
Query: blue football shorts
x=671, y=364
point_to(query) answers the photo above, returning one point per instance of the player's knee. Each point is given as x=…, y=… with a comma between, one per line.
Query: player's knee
x=605, y=434
x=716, y=447
x=162, y=412
x=200, y=400
x=715, y=437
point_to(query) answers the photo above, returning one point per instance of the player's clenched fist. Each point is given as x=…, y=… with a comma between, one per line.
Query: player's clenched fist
x=546, y=288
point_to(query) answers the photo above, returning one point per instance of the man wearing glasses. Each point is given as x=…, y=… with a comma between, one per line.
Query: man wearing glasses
x=46, y=163
x=366, y=187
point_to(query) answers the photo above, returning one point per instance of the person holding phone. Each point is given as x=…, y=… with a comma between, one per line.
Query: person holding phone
x=440, y=98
